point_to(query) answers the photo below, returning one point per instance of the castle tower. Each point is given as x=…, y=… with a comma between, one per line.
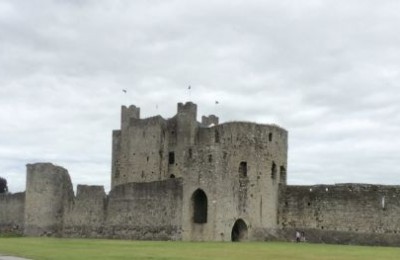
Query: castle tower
x=48, y=193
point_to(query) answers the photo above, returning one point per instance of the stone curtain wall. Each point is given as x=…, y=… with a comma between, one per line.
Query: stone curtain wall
x=150, y=211
x=146, y=211
x=86, y=216
x=12, y=213
x=345, y=213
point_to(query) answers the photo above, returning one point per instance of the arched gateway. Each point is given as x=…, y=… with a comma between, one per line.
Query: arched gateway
x=239, y=231
x=199, y=205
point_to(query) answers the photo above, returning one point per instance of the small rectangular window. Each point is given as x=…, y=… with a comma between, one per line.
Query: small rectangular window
x=273, y=171
x=243, y=169
x=171, y=157
x=216, y=136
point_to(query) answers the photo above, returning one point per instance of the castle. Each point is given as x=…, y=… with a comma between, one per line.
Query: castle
x=180, y=179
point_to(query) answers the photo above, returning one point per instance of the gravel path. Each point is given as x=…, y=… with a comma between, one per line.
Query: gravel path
x=6, y=257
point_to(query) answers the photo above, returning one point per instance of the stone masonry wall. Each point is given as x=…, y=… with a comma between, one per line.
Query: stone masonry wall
x=345, y=213
x=86, y=216
x=48, y=194
x=145, y=211
x=12, y=213
x=139, y=151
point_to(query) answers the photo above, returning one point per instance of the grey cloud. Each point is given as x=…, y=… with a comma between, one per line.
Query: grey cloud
x=326, y=72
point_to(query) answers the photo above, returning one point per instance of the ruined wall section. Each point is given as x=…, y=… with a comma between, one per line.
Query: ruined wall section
x=48, y=194
x=86, y=215
x=12, y=208
x=145, y=211
x=345, y=213
x=139, y=151
x=215, y=168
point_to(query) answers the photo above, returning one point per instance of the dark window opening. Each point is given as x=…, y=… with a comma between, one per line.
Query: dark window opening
x=239, y=231
x=243, y=169
x=216, y=136
x=172, y=176
x=270, y=137
x=225, y=155
x=210, y=158
x=282, y=178
x=147, y=158
x=199, y=201
x=273, y=171
x=171, y=157
x=190, y=153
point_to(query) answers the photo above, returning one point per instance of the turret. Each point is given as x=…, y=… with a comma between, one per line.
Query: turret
x=186, y=123
x=127, y=113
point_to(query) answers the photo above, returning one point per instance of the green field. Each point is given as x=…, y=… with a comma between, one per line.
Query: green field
x=48, y=248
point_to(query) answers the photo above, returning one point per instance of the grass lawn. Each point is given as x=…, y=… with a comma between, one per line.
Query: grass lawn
x=49, y=248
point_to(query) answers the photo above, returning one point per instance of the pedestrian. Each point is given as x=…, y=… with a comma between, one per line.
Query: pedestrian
x=297, y=236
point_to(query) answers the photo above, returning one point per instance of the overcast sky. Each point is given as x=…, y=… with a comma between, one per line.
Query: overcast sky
x=327, y=71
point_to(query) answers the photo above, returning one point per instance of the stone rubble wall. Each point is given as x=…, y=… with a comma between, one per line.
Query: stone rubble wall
x=86, y=216
x=344, y=213
x=141, y=211
x=48, y=194
x=12, y=208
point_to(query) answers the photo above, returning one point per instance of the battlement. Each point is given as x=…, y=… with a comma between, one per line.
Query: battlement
x=147, y=121
x=210, y=120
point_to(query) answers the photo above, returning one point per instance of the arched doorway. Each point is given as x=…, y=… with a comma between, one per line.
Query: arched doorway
x=239, y=231
x=199, y=202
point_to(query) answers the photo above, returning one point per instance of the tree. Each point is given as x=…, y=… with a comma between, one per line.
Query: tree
x=3, y=185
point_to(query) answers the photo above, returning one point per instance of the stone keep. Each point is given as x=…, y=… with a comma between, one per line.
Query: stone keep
x=230, y=172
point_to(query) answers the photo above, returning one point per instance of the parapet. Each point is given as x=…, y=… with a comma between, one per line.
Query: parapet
x=155, y=120
x=87, y=191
